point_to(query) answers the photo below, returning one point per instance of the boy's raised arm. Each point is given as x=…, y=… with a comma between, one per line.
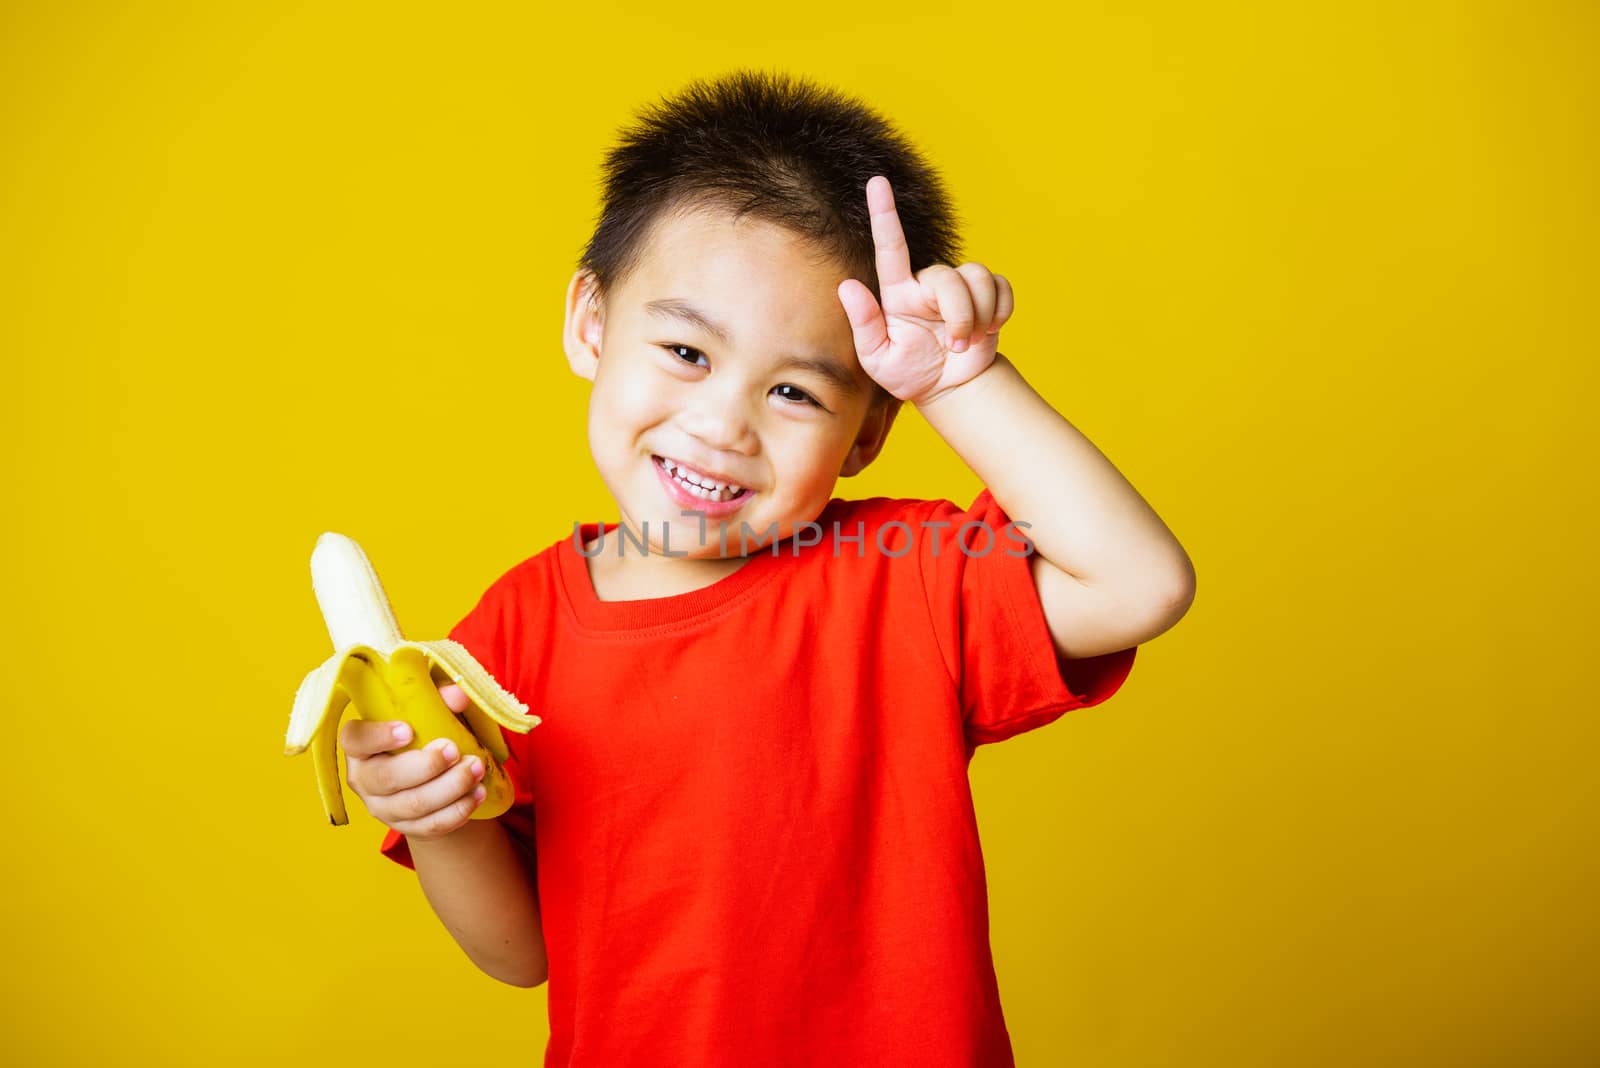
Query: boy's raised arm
x=1109, y=572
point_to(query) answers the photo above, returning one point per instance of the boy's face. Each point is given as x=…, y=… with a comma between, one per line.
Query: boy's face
x=694, y=360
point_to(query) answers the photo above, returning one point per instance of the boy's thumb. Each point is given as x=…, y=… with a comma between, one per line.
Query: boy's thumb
x=455, y=698
x=866, y=318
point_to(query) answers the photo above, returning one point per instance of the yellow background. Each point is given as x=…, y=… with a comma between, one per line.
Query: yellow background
x=1319, y=279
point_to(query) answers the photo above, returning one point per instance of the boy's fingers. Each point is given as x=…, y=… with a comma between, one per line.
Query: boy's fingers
x=455, y=698
x=442, y=821
x=411, y=769
x=985, y=295
x=947, y=290
x=364, y=738
x=1005, y=301
x=893, y=260
x=440, y=791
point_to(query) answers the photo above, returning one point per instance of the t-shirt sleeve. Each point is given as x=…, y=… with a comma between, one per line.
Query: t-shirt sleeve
x=977, y=571
x=487, y=638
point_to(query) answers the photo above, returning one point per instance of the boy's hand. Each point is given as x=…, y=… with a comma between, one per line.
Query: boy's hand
x=422, y=793
x=935, y=330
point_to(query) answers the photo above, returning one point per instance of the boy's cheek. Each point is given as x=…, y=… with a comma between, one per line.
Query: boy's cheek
x=620, y=405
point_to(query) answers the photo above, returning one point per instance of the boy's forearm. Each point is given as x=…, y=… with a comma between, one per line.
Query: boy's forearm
x=1084, y=517
x=483, y=893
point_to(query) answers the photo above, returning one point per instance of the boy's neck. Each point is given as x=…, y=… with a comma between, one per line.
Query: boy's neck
x=639, y=578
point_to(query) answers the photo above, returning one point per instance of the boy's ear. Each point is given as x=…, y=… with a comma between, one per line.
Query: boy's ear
x=585, y=320
x=869, y=442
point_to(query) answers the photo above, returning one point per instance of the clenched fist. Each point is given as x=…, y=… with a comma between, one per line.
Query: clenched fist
x=421, y=793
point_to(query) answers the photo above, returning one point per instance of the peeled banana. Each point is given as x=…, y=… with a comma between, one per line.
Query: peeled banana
x=386, y=677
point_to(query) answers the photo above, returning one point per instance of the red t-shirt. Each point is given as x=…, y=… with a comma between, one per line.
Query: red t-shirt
x=753, y=827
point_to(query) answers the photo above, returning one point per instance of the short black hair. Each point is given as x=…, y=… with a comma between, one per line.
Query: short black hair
x=778, y=148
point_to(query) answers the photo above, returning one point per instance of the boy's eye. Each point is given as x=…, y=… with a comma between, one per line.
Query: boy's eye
x=693, y=353
x=801, y=395
x=696, y=358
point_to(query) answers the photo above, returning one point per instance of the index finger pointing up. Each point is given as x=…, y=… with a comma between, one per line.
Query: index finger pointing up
x=893, y=259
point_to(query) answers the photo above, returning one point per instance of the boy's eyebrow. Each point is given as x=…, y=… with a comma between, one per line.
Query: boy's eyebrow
x=682, y=310
x=828, y=369
x=672, y=308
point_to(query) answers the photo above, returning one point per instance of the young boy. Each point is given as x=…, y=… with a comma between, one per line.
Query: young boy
x=744, y=833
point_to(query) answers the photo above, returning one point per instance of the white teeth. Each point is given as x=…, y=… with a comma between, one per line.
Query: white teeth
x=699, y=485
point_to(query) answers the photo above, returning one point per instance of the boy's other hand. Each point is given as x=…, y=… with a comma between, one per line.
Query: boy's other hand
x=935, y=330
x=422, y=793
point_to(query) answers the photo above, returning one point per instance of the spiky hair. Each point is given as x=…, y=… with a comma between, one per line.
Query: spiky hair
x=777, y=148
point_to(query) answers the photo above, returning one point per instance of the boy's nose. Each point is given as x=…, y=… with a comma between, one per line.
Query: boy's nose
x=721, y=428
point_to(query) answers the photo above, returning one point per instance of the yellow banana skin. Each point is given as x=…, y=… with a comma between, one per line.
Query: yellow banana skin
x=386, y=678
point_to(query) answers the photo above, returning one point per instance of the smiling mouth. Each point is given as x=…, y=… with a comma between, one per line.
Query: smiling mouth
x=699, y=485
